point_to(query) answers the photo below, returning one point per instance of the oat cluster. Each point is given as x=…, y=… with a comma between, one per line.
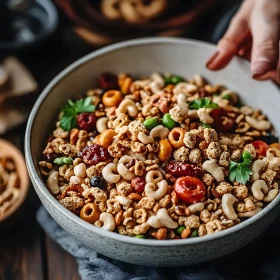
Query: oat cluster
x=162, y=157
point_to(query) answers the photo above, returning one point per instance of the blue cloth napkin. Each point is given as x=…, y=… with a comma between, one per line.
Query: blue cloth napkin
x=258, y=260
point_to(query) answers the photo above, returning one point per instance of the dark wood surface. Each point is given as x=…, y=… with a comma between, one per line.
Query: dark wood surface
x=26, y=253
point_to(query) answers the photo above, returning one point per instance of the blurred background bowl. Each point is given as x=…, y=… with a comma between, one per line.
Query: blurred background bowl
x=10, y=151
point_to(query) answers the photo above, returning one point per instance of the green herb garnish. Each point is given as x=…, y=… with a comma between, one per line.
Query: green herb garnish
x=227, y=97
x=203, y=103
x=72, y=109
x=241, y=172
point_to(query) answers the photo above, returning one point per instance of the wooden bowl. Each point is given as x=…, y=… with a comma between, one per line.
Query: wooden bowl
x=9, y=150
x=89, y=16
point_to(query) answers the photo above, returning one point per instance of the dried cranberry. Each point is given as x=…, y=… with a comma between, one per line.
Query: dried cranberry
x=222, y=123
x=138, y=184
x=179, y=169
x=107, y=81
x=203, y=93
x=86, y=121
x=50, y=157
x=94, y=154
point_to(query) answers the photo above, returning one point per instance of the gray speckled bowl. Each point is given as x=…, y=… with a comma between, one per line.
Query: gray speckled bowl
x=141, y=57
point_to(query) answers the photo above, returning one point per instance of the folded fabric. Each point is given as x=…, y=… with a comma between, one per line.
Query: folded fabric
x=259, y=260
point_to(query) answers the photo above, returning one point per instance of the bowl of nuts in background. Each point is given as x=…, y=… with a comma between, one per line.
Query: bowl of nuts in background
x=140, y=58
x=14, y=180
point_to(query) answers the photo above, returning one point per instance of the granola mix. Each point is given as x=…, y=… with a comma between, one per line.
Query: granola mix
x=162, y=157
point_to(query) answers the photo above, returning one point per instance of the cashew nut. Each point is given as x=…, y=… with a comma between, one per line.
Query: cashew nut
x=246, y=110
x=162, y=219
x=257, y=166
x=101, y=124
x=159, y=131
x=124, y=172
x=214, y=169
x=274, y=163
x=154, y=176
x=145, y=139
x=184, y=88
x=227, y=205
x=123, y=200
x=258, y=124
x=108, y=221
x=258, y=188
x=250, y=213
x=52, y=182
x=192, y=113
x=204, y=116
x=125, y=159
x=155, y=87
x=182, y=101
x=129, y=107
x=199, y=80
x=159, y=193
x=271, y=195
x=272, y=152
x=199, y=206
x=156, y=77
x=108, y=173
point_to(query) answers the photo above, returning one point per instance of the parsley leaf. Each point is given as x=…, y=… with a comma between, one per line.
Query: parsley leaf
x=240, y=172
x=72, y=109
x=203, y=103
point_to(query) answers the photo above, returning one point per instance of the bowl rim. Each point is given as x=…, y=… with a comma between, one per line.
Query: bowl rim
x=18, y=157
x=77, y=220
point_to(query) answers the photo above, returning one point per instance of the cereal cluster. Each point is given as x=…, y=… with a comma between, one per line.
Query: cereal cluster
x=162, y=157
x=9, y=184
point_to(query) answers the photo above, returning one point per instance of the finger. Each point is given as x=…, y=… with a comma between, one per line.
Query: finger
x=236, y=34
x=245, y=50
x=265, y=27
x=270, y=75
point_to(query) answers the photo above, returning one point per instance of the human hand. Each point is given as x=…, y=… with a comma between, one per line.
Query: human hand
x=254, y=33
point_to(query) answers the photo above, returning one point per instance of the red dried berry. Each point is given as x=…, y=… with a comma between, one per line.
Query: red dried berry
x=203, y=93
x=107, y=81
x=50, y=157
x=94, y=154
x=222, y=123
x=179, y=169
x=86, y=121
x=138, y=184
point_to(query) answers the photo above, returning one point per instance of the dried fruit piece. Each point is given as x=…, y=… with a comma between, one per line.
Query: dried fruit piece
x=222, y=123
x=94, y=154
x=98, y=182
x=138, y=184
x=179, y=169
x=86, y=121
x=107, y=81
x=189, y=189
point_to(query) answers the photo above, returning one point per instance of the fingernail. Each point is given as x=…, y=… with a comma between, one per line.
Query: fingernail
x=260, y=67
x=212, y=58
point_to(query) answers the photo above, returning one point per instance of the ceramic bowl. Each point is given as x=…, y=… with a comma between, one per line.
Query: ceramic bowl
x=141, y=57
x=9, y=150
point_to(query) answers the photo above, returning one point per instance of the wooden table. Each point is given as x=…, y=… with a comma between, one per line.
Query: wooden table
x=26, y=252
